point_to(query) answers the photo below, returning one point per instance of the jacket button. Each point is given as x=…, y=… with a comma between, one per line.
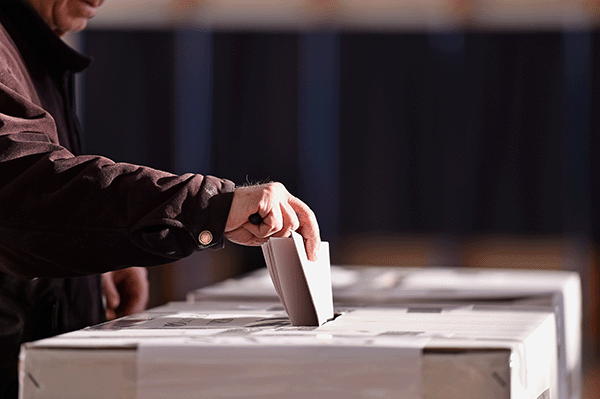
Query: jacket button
x=205, y=238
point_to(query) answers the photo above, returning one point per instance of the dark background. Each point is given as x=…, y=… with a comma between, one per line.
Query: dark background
x=415, y=148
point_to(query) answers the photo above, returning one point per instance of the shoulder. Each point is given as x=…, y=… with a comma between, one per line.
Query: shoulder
x=14, y=76
x=20, y=106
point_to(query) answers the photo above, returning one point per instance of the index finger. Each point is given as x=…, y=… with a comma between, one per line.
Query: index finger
x=309, y=227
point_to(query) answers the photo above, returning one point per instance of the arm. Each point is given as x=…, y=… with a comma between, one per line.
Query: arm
x=62, y=215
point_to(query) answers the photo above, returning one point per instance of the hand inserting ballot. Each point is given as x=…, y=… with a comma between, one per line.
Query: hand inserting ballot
x=281, y=214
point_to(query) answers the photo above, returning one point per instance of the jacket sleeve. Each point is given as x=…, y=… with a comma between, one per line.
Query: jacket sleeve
x=63, y=215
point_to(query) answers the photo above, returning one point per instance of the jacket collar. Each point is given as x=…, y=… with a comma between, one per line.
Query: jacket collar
x=48, y=46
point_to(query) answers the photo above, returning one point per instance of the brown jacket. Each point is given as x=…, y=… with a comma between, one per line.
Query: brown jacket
x=64, y=217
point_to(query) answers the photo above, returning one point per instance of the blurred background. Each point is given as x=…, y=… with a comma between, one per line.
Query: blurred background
x=421, y=132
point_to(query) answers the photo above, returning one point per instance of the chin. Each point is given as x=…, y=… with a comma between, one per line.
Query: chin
x=73, y=27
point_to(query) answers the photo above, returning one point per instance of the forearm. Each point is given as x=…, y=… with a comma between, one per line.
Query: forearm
x=62, y=215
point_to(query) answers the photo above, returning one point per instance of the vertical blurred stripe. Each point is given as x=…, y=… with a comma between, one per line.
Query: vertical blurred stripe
x=193, y=101
x=318, y=80
x=577, y=80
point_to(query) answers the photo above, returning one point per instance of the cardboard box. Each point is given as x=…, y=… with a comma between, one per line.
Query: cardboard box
x=249, y=349
x=519, y=290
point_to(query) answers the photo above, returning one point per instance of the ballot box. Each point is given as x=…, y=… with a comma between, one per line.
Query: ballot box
x=518, y=290
x=250, y=350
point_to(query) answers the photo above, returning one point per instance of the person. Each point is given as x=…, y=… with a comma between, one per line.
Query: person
x=71, y=223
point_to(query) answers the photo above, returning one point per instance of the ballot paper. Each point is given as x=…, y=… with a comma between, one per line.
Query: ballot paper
x=303, y=287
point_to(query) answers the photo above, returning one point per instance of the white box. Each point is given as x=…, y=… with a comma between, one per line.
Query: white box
x=242, y=350
x=552, y=290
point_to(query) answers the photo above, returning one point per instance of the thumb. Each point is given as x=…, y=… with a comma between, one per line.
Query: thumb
x=113, y=299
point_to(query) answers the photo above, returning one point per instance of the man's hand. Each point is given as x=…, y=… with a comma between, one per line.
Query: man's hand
x=127, y=291
x=281, y=212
